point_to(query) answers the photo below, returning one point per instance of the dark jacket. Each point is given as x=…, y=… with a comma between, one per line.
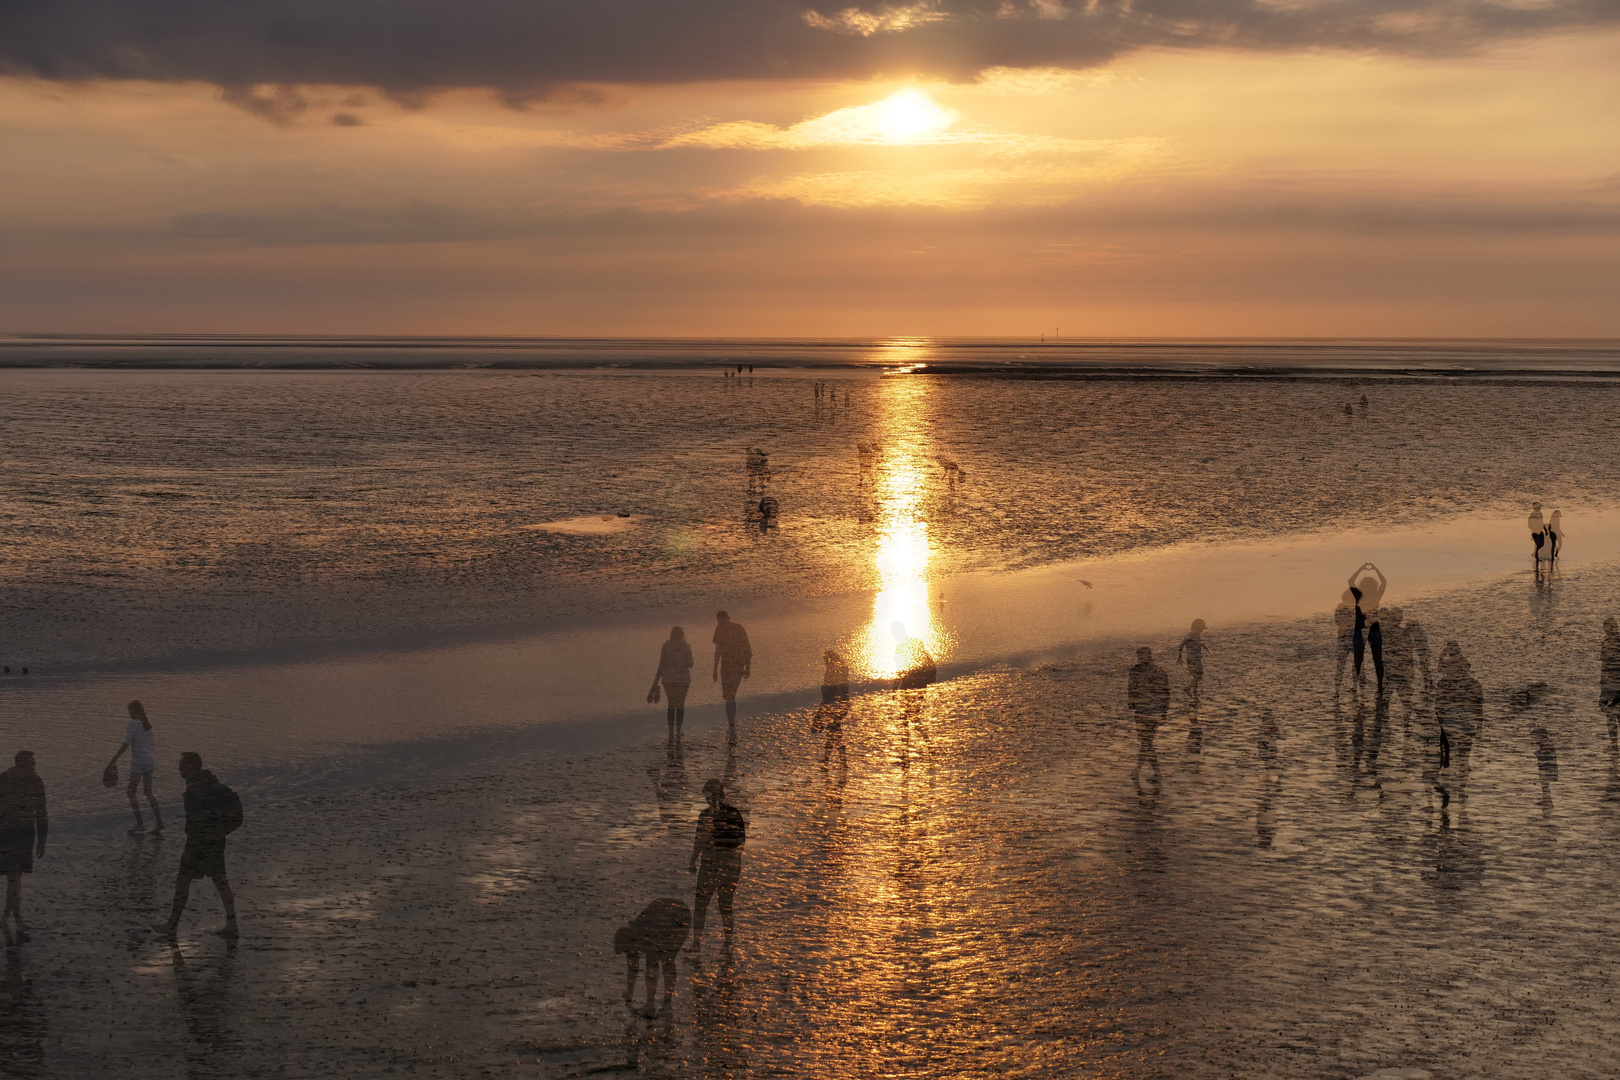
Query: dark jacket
x=209, y=807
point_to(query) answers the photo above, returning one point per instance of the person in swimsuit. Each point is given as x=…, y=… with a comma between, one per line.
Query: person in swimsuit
x=1371, y=597
x=675, y=672
x=1538, y=528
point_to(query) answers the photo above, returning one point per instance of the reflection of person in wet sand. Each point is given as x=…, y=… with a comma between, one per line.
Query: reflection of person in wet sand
x=142, y=763
x=716, y=860
x=1546, y=766
x=1148, y=694
x=23, y=826
x=733, y=660
x=675, y=673
x=1459, y=709
x=1369, y=597
x=212, y=813
x=656, y=934
x=912, y=661
x=834, y=708
x=1191, y=652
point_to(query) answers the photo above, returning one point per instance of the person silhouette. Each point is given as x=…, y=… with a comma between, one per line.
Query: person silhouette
x=912, y=660
x=1148, y=695
x=1459, y=711
x=1191, y=652
x=675, y=673
x=656, y=934
x=1417, y=641
x=834, y=709
x=716, y=860
x=733, y=661
x=212, y=813
x=23, y=828
x=1555, y=535
x=1609, y=665
x=1347, y=642
x=142, y=763
x=1538, y=529
x=1369, y=597
x=1398, y=656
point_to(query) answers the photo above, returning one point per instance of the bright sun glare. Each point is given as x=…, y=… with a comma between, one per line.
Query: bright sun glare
x=909, y=114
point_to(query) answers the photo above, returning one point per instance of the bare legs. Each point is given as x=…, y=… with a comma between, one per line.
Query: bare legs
x=654, y=962
x=135, y=804
x=182, y=893
x=14, y=897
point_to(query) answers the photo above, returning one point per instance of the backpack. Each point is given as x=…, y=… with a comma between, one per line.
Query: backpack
x=729, y=830
x=229, y=805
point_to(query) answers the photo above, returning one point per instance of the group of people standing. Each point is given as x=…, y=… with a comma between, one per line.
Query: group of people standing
x=212, y=812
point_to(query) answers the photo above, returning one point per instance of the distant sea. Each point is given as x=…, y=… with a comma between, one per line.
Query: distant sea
x=1274, y=357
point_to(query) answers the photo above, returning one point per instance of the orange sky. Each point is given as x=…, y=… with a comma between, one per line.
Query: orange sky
x=1187, y=191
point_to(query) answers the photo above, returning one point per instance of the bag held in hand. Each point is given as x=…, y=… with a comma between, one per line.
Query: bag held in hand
x=109, y=776
x=652, y=695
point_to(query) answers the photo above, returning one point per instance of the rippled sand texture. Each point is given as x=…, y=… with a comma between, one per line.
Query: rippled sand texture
x=143, y=514
x=984, y=892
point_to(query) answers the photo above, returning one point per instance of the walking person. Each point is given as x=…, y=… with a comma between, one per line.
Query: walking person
x=733, y=661
x=23, y=825
x=716, y=860
x=675, y=673
x=213, y=812
x=142, y=764
x=1369, y=597
x=1538, y=528
x=1555, y=535
x=1191, y=653
x=1148, y=695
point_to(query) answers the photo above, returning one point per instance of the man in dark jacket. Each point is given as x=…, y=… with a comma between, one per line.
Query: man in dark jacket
x=23, y=825
x=212, y=812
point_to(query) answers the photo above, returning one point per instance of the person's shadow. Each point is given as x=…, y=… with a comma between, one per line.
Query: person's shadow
x=204, y=987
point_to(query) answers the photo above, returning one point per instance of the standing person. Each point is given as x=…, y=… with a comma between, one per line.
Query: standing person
x=834, y=708
x=1459, y=708
x=1609, y=665
x=1555, y=535
x=1344, y=625
x=213, y=812
x=914, y=665
x=23, y=825
x=1538, y=528
x=675, y=673
x=1148, y=694
x=733, y=661
x=142, y=763
x=1398, y=649
x=716, y=860
x=1191, y=653
x=1370, y=596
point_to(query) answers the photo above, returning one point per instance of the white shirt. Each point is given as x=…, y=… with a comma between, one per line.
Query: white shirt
x=142, y=754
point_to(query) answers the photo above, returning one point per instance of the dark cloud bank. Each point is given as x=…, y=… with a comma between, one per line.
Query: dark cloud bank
x=530, y=49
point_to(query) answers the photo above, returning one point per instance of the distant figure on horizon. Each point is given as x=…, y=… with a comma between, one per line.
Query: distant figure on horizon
x=213, y=812
x=675, y=673
x=1148, y=695
x=1369, y=597
x=912, y=660
x=733, y=661
x=1538, y=528
x=23, y=826
x=1191, y=652
x=658, y=934
x=716, y=860
x=142, y=764
x=1555, y=535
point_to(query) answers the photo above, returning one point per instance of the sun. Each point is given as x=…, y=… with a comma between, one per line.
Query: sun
x=909, y=115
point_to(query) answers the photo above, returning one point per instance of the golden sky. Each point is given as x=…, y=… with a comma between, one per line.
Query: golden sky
x=1285, y=169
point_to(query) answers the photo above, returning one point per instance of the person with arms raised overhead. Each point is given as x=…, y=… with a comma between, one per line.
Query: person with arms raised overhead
x=213, y=812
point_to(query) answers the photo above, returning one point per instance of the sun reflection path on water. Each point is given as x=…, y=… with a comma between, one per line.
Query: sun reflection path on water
x=904, y=469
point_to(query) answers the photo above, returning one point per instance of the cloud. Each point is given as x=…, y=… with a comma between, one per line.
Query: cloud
x=1170, y=210
x=542, y=49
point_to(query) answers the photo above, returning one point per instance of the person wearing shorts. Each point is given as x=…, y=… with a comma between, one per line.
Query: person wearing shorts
x=716, y=860
x=23, y=825
x=142, y=764
x=207, y=824
x=733, y=661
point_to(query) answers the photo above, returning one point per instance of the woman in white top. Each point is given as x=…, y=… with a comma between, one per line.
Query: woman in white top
x=1371, y=596
x=142, y=763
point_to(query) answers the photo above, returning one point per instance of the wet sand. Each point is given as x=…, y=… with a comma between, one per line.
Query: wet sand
x=985, y=892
